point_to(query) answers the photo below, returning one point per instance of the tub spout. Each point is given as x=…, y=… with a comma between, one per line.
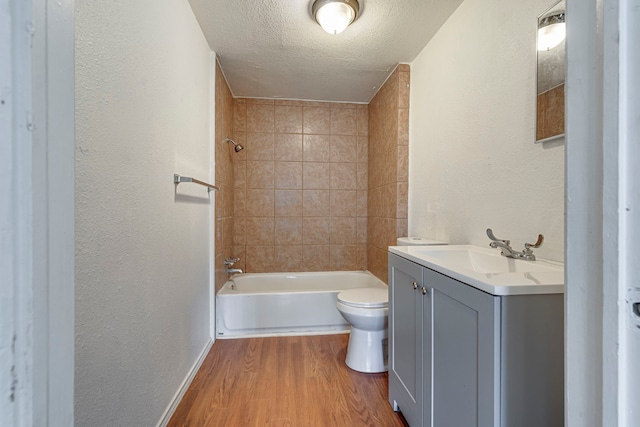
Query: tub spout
x=231, y=271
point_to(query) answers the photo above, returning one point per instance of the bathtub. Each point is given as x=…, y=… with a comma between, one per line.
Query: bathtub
x=272, y=304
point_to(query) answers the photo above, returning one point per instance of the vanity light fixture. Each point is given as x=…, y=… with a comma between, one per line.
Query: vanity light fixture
x=551, y=31
x=334, y=16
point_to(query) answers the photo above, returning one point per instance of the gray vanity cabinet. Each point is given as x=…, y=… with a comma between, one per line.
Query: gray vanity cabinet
x=465, y=326
x=409, y=341
x=459, y=356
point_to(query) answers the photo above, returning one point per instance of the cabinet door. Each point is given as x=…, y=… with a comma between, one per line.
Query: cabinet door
x=406, y=348
x=465, y=354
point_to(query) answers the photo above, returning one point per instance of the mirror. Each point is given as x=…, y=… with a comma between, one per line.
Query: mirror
x=550, y=73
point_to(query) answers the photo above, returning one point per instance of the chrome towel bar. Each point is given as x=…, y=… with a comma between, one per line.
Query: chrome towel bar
x=177, y=179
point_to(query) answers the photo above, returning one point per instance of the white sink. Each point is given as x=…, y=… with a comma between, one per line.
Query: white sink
x=478, y=260
x=487, y=270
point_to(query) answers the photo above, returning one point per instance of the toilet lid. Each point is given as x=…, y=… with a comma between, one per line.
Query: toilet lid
x=365, y=297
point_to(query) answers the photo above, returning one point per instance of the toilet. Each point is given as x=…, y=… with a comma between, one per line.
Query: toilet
x=367, y=310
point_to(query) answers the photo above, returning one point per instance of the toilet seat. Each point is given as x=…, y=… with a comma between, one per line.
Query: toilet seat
x=365, y=297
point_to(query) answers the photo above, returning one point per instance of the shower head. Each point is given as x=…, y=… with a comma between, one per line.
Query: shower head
x=237, y=147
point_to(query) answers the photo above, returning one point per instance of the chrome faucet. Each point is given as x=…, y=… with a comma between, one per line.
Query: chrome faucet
x=509, y=252
x=229, y=263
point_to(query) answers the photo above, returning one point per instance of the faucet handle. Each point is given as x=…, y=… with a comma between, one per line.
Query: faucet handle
x=495, y=239
x=537, y=244
x=230, y=261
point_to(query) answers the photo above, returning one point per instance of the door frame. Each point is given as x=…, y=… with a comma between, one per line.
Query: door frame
x=602, y=213
x=38, y=222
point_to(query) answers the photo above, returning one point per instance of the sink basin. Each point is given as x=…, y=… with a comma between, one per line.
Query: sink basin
x=487, y=270
x=481, y=261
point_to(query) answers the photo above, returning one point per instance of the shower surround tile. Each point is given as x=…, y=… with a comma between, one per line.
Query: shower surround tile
x=303, y=177
x=316, y=148
x=288, y=203
x=261, y=230
x=343, y=176
x=316, y=257
x=316, y=120
x=288, y=175
x=344, y=149
x=288, y=231
x=225, y=202
x=288, y=147
x=260, y=174
x=288, y=119
x=259, y=258
x=260, y=146
x=343, y=231
x=315, y=175
x=260, y=118
x=315, y=203
x=387, y=169
x=315, y=230
x=343, y=121
x=343, y=203
x=260, y=202
x=289, y=258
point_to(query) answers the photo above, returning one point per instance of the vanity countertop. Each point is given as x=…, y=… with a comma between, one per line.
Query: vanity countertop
x=487, y=270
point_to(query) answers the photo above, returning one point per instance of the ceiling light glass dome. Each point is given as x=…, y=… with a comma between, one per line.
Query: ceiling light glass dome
x=334, y=16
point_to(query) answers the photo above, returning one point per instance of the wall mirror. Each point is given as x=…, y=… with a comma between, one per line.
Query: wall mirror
x=550, y=73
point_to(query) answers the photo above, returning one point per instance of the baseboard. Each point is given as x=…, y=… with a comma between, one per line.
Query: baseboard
x=168, y=413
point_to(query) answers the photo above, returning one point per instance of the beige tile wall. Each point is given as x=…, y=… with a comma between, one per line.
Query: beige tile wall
x=224, y=177
x=388, y=168
x=300, y=185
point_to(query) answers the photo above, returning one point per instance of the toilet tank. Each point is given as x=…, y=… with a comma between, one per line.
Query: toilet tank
x=418, y=241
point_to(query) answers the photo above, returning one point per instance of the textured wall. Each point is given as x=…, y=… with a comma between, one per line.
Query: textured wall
x=300, y=196
x=142, y=245
x=224, y=177
x=388, y=161
x=473, y=161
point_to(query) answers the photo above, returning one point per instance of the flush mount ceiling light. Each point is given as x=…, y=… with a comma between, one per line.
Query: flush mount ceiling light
x=551, y=31
x=334, y=16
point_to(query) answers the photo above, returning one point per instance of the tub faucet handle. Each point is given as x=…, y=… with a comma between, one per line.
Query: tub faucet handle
x=230, y=261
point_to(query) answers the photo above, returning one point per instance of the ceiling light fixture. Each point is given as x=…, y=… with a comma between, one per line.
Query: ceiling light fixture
x=551, y=31
x=334, y=16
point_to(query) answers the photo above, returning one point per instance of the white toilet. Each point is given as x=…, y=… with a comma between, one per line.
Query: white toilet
x=367, y=310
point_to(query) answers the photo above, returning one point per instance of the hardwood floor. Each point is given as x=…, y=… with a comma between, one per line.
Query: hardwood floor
x=284, y=381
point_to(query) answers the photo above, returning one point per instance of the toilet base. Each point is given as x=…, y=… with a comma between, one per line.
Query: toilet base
x=367, y=351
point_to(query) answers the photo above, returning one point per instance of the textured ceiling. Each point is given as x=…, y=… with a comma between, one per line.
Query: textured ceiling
x=274, y=48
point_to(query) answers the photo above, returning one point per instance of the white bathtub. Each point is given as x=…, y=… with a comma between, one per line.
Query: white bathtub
x=263, y=304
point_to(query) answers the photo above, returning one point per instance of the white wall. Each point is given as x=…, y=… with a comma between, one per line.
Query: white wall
x=473, y=163
x=142, y=249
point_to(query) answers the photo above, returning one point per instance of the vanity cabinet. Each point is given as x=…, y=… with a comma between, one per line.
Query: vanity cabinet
x=409, y=341
x=459, y=356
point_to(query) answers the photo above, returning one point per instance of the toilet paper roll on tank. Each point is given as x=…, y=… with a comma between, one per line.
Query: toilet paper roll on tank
x=418, y=241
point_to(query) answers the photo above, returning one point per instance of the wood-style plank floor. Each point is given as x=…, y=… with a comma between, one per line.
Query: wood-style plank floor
x=284, y=381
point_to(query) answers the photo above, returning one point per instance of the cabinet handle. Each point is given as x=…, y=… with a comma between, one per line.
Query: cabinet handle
x=415, y=286
x=424, y=290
